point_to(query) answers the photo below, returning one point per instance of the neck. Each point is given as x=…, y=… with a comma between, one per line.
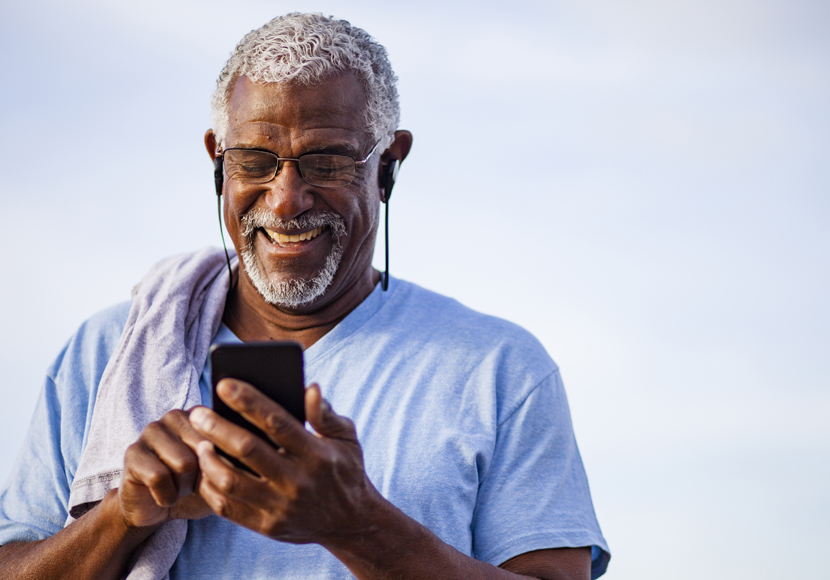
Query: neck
x=251, y=318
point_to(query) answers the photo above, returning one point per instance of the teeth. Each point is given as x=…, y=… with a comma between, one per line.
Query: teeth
x=285, y=238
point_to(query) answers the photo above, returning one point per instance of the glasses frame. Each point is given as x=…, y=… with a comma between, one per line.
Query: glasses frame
x=297, y=159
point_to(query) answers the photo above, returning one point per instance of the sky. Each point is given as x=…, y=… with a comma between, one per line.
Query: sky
x=641, y=184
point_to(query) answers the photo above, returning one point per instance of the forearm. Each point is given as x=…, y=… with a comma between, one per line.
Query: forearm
x=396, y=546
x=97, y=546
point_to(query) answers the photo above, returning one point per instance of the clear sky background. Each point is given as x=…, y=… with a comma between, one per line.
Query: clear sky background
x=645, y=185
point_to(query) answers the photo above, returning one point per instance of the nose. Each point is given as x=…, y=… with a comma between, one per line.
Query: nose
x=288, y=194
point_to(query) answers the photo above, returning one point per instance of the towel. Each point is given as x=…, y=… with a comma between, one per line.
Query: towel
x=156, y=366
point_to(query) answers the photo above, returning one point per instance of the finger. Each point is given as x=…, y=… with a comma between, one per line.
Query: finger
x=260, y=456
x=323, y=418
x=143, y=467
x=164, y=439
x=282, y=427
x=178, y=422
x=232, y=493
x=228, y=507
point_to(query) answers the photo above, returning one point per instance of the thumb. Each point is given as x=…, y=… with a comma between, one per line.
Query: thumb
x=322, y=417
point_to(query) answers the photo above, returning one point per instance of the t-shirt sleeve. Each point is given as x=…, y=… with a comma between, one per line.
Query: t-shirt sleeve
x=535, y=493
x=34, y=499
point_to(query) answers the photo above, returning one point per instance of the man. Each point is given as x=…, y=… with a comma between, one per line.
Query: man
x=460, y=462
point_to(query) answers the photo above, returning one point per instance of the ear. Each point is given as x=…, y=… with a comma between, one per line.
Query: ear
x=218, y=173
x=396, y=152
x=210, y=144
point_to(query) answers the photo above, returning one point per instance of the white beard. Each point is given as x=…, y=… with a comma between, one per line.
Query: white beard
x=297, y=291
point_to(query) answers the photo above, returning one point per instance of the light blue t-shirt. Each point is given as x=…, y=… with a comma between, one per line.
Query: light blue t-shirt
x=462, y=418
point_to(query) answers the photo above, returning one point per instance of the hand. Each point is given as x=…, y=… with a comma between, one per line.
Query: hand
x=313, y=489
x=161, y=473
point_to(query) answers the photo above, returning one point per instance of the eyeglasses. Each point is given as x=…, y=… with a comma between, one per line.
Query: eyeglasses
x=318, y=169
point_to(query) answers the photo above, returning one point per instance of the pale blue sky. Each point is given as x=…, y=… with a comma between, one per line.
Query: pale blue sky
x=642, y=184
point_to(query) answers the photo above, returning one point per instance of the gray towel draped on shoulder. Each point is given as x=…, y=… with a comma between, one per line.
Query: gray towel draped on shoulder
x=176, y=311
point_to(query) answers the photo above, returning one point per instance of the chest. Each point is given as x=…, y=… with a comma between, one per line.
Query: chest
x=426, y=438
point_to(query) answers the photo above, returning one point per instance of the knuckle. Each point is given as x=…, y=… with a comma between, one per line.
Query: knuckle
x=155, y=478
x=221, y=506
x=174, y=418
x=278, y=422
x=248, y=446
x=133, y=451
x=170, y=416
x=226, y=483
x=184, y=464
x=272, y=521
x=153, y=430
x=272, y=526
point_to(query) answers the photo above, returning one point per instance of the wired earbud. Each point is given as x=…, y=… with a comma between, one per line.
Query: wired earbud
x=387, y=181
x=218, y=182
x=218, y=174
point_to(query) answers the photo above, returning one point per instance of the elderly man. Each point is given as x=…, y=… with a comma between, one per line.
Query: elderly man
x=461, y=460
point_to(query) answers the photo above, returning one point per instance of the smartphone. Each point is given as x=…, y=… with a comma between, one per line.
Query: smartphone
x=274, y=368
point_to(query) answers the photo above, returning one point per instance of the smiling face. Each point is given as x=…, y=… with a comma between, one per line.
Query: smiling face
x=302, y=245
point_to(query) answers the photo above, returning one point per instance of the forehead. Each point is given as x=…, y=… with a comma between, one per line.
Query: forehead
x=294, y=115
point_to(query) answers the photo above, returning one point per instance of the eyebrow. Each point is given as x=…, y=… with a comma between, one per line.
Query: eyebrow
x=335, y=149
x=332, y=149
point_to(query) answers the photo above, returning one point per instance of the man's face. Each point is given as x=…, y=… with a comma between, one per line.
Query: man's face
x=337, y=225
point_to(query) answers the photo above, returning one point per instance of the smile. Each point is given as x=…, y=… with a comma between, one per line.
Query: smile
x=282, y=239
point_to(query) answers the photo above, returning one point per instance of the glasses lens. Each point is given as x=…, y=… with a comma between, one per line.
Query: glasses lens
x=250, y=165
x=327, y=170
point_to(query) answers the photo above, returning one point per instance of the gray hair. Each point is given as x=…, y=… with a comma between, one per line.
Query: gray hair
x=308, y=49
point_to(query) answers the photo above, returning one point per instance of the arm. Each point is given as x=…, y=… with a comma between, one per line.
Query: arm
x=98, y=546
x=380, y=555
x=160, y=474
x=315, y=490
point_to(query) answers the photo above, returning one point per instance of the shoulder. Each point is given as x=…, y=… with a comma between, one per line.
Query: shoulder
x=94, y=341
x=58, y=430
x=33, y=502
x=488, y=353
x=73, y=378
x=444, y=320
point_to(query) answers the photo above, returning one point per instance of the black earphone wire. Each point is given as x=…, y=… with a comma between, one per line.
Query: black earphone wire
x=222, y=233
x=385, y=281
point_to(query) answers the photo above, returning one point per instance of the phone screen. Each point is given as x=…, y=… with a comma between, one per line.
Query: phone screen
x=274, y=368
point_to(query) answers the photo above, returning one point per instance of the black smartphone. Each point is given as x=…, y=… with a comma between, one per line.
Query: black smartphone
x=274, y=368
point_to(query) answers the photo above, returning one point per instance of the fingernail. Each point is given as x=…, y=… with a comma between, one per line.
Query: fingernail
x=198, y=417
x=229, y=388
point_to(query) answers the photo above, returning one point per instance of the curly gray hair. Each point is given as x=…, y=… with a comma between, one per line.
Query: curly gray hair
x=308, y=49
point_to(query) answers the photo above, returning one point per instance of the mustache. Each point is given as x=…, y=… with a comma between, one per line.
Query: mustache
x=260, y=218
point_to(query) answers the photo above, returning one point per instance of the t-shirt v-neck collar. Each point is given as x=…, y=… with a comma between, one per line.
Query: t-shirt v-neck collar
x=345, y=328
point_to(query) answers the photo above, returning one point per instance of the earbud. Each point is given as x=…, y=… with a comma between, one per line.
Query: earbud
x=387, y=179
x=218, y=174
x=218, y=179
